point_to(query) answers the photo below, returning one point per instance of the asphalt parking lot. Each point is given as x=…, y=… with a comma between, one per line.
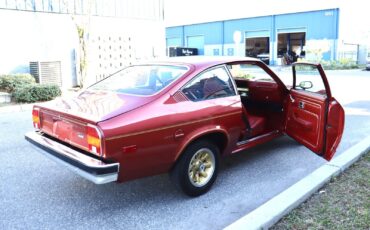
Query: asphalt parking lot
x=36, y=193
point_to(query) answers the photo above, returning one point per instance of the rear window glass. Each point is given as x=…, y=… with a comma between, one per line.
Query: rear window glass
x=141, y=80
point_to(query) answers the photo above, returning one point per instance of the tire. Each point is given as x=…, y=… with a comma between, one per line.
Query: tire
x=196, y=170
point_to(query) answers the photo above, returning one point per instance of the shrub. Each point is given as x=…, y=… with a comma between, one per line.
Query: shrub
x=343, y=63
x=9, y=83
x=35, y=92
x=340, y=64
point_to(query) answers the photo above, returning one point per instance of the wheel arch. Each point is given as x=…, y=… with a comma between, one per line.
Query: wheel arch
x=217, y=137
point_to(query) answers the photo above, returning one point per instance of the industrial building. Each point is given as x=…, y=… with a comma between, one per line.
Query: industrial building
x=266, y=37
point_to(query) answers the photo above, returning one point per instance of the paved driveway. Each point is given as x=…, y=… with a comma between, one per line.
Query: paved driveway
x=37, y=193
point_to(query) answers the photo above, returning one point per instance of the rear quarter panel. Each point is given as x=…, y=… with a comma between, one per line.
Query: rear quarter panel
x=152, y=130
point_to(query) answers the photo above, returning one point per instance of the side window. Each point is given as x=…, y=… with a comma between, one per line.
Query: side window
x=214, y=83
x=308, y=78
x=250, y=79
x=249, y=72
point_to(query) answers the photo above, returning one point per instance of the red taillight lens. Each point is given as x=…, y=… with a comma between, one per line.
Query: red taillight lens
x=94, y=140
x=36, y=118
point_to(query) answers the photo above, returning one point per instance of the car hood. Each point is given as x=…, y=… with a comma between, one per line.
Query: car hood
x=97, y=106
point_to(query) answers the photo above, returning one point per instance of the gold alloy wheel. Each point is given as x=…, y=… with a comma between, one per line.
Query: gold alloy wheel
x=201, y=167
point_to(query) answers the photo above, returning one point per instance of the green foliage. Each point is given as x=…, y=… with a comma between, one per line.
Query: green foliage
x=246, y=76
x=343, y=63
x=35, y=92
x=241, y=74
x=80, y=31
x=8, y=83
x=306, y=68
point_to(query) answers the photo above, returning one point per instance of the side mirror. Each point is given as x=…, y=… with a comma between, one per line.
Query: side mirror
x=305, y=85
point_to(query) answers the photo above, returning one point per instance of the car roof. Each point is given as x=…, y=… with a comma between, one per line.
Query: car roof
x=202, y=61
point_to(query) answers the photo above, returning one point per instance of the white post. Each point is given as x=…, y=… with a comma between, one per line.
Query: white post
x=237, y=37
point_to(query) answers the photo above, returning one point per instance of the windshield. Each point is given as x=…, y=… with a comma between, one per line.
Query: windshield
x=141, y=80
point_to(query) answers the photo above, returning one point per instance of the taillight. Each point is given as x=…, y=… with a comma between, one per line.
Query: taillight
x=94, y=139
x=36, y=118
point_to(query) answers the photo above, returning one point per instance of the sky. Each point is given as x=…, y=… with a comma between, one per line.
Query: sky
x=354, y=15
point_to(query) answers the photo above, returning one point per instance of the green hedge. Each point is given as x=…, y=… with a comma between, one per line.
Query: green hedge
x=35, y=92
x=8, y=83
x=340, y=64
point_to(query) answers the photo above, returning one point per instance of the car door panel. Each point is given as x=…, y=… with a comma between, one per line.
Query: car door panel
x=305, y=119
x=260, y=96
x=314, y=119
x=334, y=128
x=264, y=91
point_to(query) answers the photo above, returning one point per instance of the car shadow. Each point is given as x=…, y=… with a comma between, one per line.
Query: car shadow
x=159, y=188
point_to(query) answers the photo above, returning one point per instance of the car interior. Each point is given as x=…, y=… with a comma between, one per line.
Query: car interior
x=211, y=84
x=208, y=88
x=261, y=97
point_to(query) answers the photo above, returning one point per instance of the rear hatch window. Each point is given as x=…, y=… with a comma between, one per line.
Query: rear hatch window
x=141, y=80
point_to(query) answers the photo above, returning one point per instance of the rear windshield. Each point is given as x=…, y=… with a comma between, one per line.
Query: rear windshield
x=141, y=80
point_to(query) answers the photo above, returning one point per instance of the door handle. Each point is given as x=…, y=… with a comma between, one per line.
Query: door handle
x=301, y=105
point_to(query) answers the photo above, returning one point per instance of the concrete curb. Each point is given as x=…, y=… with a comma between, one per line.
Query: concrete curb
x=273, y=210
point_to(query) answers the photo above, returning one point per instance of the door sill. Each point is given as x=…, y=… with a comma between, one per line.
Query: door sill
x=242, y=145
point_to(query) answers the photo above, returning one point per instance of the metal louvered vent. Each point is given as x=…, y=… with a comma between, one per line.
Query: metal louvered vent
x=179, y=97
x=47, y=72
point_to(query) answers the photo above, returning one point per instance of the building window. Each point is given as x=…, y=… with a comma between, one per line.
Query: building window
x=216, y=52
x=230, y=51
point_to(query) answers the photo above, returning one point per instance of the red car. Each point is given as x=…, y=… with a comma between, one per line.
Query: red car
x=181, y=115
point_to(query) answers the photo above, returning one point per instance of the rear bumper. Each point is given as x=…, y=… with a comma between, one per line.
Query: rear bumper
x=88, y=167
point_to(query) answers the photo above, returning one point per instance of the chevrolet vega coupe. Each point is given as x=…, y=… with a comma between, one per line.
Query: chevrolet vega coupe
x=181, y=115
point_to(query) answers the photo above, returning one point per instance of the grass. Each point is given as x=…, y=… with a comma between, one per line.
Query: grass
x=344, y=203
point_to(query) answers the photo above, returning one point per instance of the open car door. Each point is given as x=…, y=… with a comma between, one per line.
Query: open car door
x=314, y=118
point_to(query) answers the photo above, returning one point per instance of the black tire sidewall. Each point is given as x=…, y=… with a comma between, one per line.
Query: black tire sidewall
x=180, y=172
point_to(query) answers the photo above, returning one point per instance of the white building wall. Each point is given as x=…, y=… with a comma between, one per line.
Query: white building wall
x=209, y=50
x=27, y=36
x=34, y=31
x=116, y=42
x=237, y=49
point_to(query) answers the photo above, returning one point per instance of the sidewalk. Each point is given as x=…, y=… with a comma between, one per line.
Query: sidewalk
x=273, y=210
x=12, y=108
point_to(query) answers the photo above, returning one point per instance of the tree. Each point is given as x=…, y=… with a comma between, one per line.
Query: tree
x=80, y=12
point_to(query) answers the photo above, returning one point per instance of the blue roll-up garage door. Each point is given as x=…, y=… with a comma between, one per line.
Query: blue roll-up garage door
x=196, y=42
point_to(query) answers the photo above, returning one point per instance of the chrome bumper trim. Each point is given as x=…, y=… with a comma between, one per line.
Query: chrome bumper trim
x=88, y=167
